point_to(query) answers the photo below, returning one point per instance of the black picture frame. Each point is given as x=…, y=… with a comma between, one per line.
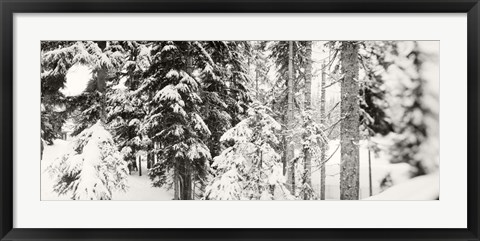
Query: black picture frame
x=9, y=7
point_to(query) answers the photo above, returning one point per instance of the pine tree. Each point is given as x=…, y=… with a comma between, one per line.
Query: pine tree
x=174, y=119
x=308, y=121
x=290, y=119
x=349, y=133
x=223, y=76
x=250, y=169
x=288, y=57
x=57, y=58
x=125, y=107
x=411, y=127
x=373, y=103
x=95, y=167
x=260, y=62
x=90, y=106
x=371, y=98
x=92, y=169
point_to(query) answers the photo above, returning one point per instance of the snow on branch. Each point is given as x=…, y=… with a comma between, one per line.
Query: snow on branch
x=251, y=168
x=169, y=92
x=92, y=169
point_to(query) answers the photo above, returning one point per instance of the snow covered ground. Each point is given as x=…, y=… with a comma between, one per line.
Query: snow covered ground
x=427, y=187
x=139, y=187
x=380, y=167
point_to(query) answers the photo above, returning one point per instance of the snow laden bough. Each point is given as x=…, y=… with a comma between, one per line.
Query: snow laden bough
x=92, y=169
x=250, y=169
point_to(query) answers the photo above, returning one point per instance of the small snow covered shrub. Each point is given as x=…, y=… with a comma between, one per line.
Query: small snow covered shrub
x=92, y=169
x=250, y=169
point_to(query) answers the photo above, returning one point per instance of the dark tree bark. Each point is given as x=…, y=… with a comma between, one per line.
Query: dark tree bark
x=308, y=107
x=349, y=127
x=186, y=181
x=41, y=149
x=176, y=182
x=290, y=119
x=99, y=83
x=140, y=165
x=186, y=191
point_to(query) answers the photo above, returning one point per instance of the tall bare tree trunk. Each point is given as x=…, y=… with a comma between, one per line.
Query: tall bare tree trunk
x=323, y=122
x=290, y=119
x=370, y=174
x=308, y=108
x=349, y=127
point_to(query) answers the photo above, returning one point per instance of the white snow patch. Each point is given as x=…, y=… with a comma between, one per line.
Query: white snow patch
x=77, y=78
x=139, y=187
x=424, y=187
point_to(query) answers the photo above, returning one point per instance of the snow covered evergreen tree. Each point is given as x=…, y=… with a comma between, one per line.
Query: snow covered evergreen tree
x=249, y=168
x=374, y=58
x=92, y=169
x=415, y=110
x=125, y=102
x=181, y=103
x=95, y=168
x=223, y=76
x=174, y=119
x=288, y=57
x=57, y=58
x=90, y=106
x=313, y=139
x=259, y=66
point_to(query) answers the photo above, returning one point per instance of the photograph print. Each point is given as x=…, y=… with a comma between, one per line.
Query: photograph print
x=239, y=120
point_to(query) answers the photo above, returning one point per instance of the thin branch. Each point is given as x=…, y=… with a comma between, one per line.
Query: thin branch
x=321, y=164
x=332, y=175
x=333, y=126
x=331, y=110
x=331, y=84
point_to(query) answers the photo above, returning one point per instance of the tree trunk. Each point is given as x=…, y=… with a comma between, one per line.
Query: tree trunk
x=100, y=86
x=323, y=122
x=155, y=156
x=349, y=127
x=290, y=120
x=149, y=161
x=284, y=157
x=370, y=174
x=100, y=83
x=193, y=190
x=308, y=108
x=41, y=149
x=256, y=81
x=140, y=165
x=186, y=190
x=187, y=170
x=176, y=181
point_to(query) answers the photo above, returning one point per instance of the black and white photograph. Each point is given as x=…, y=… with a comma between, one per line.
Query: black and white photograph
x=273, y=120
